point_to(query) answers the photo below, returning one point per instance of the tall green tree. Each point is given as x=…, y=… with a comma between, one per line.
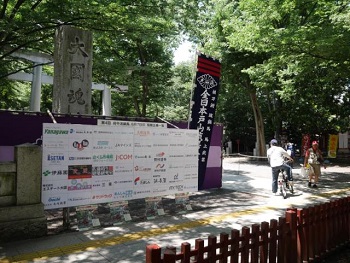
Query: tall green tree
x=133, y=41
x=301, y=78
x=308, y=56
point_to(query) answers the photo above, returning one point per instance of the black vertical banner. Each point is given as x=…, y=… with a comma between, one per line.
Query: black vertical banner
x=204, y=100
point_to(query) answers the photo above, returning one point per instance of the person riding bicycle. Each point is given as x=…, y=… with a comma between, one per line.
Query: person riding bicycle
x=276, y=156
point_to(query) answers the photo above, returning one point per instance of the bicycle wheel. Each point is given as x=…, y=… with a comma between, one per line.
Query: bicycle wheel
x=283, y=190
x=291, y=189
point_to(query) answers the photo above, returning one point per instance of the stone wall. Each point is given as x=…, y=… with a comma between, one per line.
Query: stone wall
x=21, y=211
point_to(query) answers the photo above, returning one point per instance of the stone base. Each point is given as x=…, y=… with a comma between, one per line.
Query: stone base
x=22, y=222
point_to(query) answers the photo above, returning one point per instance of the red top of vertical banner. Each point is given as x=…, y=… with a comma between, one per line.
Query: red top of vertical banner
x=209, y=66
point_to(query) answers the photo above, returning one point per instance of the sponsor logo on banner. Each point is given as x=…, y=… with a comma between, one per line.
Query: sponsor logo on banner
x=54, y=199
x=159, y=190
x=174, y=179
x=49, y=187
x=190, y=166
x=160, y=167
x=79, y=131
x=139, y=145
x=55, y=173
x=141, y=192
x=81, y=145
x=100, y=158
x=176, y=166
x=143, y=133
x=123, y=157
x=179, y=187
x=139, y=181
x=59, y=145
x=121, y=169
x=102, y=197
x=102, y=170
x=143, y=156
x=142, y=169
x=160, y=144
x=125, y=181
x=104, y=132
x=79, y=158
x=56, y=132
x=79, y=198
x=99, y=184
x=161, y=159
x=55, y=159
x=176, y=155
x=145, y=181
x=161, y=154
x=161, y=180
x=123, y=194
x=79, y=171
x=75, y=185
x=123, y=145
x=103, y=145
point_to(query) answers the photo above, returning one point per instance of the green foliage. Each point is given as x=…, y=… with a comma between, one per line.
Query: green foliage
x=292, y=55
x=178, y=93
x=302, y=79
x=128, y=37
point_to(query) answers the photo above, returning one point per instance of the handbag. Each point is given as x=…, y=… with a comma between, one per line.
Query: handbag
x=305, y=171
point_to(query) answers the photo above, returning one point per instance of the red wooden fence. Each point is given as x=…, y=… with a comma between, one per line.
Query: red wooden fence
x=303, y=235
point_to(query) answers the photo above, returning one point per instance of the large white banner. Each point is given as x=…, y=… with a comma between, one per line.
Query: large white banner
x=87, y=164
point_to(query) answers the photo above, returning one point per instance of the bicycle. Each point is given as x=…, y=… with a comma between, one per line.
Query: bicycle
x=284, y=184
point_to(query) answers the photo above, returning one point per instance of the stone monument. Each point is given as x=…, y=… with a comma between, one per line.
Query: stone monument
x=72, y=71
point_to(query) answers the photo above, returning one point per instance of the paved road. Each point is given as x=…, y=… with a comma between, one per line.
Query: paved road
x=244, y=199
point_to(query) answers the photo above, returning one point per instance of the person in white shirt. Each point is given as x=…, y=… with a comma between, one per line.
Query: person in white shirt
x=276, y=156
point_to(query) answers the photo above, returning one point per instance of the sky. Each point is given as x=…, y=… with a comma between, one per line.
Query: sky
x=184, y=53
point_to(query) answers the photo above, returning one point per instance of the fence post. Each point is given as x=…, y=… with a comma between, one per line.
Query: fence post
x=317, y=234
x=169, y=255
x=224, y=247
x=327, y=226
x=186, y=252
x=347, y=218
x=199, y=246
x=302, y=235
x=291, y=218
x=322, y=232
x=273, y=240
x=235, y=236
x=212, y=248
x=343, y=220
x=255, y=243
x=283, y=227
x=311, y=234
x=265, y=242
x=153, y=254
x=245, y=244
x=334, y=228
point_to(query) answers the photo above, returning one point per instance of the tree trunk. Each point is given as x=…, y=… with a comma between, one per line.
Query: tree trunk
x=259, y=125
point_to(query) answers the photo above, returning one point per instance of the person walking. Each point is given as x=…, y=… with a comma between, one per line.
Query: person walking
x=276, y=156
x=314, y=158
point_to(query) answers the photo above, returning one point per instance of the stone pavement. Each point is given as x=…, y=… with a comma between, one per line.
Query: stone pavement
x=245, y=198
